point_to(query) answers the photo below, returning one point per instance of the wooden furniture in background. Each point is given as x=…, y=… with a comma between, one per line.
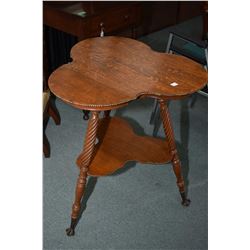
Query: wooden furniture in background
x=70, y=21
x=49, y=110
x=108, y=73
x=85, y=19
x=67, y=22
x=158, y=15
x=205, y=20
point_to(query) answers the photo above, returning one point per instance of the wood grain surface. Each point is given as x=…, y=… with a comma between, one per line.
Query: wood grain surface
x=108, y=72
x=118, y=144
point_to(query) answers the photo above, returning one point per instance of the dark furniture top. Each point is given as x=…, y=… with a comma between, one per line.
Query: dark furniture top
x=85, y=19
x=109, y=72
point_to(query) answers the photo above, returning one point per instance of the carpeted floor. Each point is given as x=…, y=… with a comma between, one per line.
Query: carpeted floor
x=139, y=207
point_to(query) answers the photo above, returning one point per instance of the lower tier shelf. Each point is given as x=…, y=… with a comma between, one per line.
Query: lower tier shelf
x=118, y=144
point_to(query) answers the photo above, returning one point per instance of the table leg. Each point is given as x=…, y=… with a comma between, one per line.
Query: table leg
x=175, y=158
x=83, y=162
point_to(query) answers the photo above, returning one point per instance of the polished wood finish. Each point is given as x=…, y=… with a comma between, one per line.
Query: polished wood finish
x=114, y=149
x=83, y=162
x=109, y=72
x=172, y=147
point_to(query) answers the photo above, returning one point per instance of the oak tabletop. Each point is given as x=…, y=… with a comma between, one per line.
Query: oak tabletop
x=109, y=72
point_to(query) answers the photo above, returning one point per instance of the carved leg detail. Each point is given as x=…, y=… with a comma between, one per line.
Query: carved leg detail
x=175, y=158
x=83, y=162
x=80, y=186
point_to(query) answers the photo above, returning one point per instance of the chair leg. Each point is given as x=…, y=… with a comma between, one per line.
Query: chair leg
x=170, y=39
x=46, y=146
x=155, y=118
x=53, y=112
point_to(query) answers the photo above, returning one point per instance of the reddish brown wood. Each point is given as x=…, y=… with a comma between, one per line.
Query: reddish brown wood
x=83, y=19
x=53, y=112
x=46, y=146
x=84, y=159
x=83, y=162
x=171, y=142
x=118, y=17
x=121, y=18
x=109, y=72
x=118, y=144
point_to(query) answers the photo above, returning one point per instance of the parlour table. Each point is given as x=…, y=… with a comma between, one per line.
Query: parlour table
x=108, y=73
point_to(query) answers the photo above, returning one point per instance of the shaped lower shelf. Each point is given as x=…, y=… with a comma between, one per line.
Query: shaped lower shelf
x=119, y=144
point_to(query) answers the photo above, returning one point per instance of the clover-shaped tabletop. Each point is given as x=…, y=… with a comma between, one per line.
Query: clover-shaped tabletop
x=108, y=72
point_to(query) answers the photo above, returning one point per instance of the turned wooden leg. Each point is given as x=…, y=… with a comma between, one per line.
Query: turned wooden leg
x=175, y=158
x=83, y=162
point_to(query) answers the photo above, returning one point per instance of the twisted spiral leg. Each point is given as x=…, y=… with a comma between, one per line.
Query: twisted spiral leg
x=175, y=158
x=83, y=162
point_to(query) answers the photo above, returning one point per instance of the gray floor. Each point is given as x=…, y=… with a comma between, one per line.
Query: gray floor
x=139, y=207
